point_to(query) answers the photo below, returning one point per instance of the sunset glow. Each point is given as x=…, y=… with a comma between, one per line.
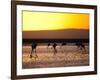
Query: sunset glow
x=36, y=21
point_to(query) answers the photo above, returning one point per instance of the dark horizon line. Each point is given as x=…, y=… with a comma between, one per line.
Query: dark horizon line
x=55, y=40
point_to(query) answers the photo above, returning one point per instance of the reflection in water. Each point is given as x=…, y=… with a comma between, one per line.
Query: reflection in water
x=66, y=55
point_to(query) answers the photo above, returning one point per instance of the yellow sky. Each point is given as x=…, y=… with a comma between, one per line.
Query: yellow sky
x=35, y=21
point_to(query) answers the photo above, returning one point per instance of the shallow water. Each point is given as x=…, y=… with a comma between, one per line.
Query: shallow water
x=68, y=55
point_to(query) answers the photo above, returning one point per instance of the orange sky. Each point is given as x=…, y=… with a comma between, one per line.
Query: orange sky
x=36, y=21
